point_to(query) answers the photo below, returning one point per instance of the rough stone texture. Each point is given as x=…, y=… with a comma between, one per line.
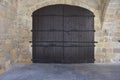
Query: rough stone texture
x=105, y=12
x=16, y=25
x=103, y=25
x=8, y=40
x=111, y=24
x=63, y=72
x=26, y=8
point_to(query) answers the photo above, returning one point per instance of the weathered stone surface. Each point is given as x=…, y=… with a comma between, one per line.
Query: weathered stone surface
x=8, y=16
x=16, y=25
x=25, y=10
x=103, y=31
x=115, y=39
x=1, y=69
x=116, y=50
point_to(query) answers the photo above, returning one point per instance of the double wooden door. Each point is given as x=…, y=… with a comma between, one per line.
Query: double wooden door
x=63, y=34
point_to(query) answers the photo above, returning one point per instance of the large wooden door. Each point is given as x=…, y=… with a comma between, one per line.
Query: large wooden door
x=63, y=34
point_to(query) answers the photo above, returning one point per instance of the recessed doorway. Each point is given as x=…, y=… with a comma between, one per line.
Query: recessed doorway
x=63, y=34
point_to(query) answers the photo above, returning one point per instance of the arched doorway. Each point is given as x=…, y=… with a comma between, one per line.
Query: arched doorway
x=63, y=34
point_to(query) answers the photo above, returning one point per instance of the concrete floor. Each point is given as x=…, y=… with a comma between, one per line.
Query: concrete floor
x=63, y=72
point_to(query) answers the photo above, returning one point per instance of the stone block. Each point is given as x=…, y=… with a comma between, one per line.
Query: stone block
x=2, y=70
x=7, y=64
x=100, y=58
x=116, y=34
x=99, y=45
x=115, y=39
x=107, y=45
x=104, y=39
x=13, y=54
x=98, y=50
x=116, y=50
x=104, y=50
x=109, y=57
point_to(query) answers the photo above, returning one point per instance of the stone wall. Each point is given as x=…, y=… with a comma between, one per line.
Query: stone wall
x=27, y=7
x=8, y=40
x=16, y=26
x=111, y=25
x=104, y=51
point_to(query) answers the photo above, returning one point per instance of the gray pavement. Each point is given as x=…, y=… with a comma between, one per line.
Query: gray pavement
x=63, y=72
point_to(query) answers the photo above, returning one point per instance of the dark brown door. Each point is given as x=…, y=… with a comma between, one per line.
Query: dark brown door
x=63, y=34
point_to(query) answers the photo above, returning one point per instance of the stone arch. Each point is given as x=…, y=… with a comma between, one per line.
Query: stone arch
x=111, y=25
x=111, y=18
x=38, y=6
x=69, y=2
x=26, y=8
x=63, y=4
x=111, y=8
x=34, y=5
